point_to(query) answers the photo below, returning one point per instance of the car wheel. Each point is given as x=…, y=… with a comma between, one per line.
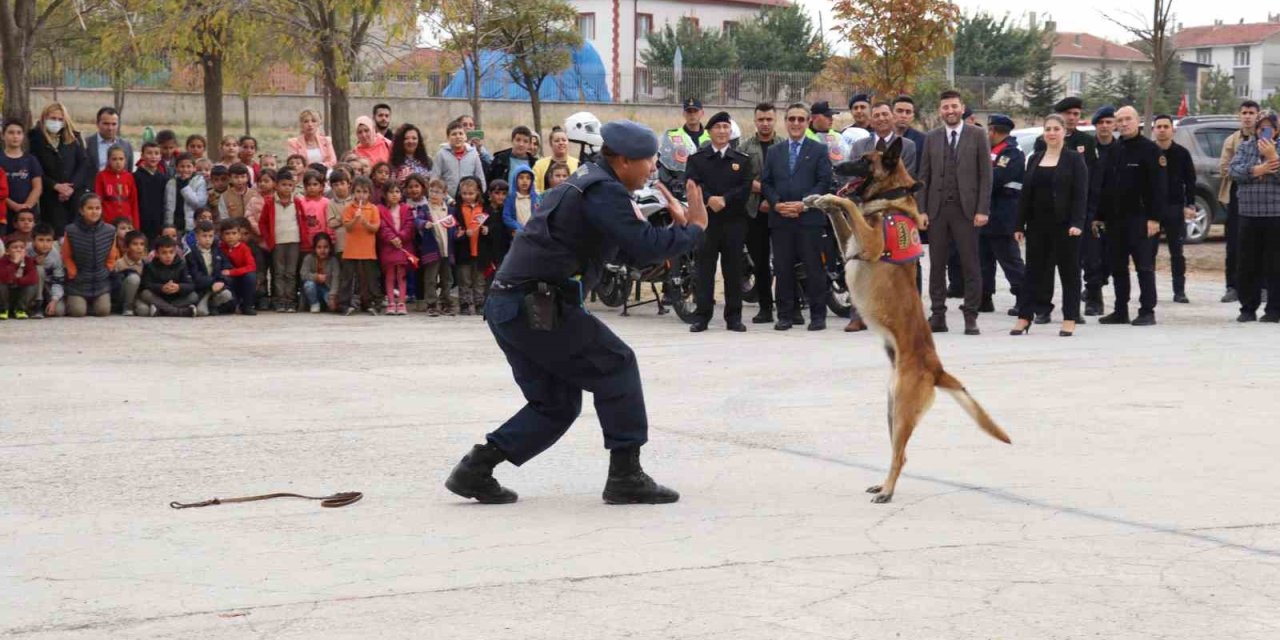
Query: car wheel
x=1198, y=227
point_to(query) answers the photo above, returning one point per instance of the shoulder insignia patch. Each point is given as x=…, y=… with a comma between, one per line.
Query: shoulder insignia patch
x=1003, y=162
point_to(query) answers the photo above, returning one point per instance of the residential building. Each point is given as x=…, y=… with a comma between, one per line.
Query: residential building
x=619, y=31
x=1249, y=53
x=1078, y=55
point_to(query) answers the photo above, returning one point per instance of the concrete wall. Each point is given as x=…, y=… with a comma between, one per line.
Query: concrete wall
x=430, y=114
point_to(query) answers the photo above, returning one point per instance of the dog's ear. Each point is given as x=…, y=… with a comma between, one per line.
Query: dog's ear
x=892, y=154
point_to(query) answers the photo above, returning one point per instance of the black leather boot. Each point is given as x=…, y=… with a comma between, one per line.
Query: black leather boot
x=629, y=484
x=473, y=476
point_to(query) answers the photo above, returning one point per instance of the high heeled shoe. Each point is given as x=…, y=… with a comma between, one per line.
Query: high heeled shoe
x=1063, y=333
x=1021, y=332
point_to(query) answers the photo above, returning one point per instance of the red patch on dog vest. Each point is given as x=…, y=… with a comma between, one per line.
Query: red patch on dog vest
x=901, y=240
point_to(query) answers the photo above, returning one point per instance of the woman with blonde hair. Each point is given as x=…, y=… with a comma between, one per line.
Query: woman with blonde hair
x=311, y=144
x=57, y=145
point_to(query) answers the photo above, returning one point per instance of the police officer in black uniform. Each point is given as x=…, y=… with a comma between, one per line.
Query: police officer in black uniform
x=1093, y=253
x=995, y=240
x=724, y=173
x=1181, y=191
x=557, y=349
x=1133, y=206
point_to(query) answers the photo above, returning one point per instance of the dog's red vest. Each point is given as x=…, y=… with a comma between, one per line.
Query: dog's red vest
x=901, y=239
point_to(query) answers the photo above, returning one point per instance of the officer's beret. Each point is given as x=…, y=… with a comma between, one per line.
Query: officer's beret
x=968, y=113
x=692, y=104
x=1105, y=111
x=722, y=116
x=1067, y=104
x=999, y=120
x=859, y=97
x=630, y=139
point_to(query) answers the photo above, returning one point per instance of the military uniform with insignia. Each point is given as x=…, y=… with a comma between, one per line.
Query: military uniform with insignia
x=996, y=244
x=556, y=348
x=724, y=173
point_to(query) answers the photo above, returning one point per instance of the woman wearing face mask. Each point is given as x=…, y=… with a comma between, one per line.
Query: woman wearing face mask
x=559, y=153
x=56, y=143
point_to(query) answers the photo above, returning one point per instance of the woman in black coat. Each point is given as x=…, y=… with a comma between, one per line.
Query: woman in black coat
x=1051, y=219
x=67, y=170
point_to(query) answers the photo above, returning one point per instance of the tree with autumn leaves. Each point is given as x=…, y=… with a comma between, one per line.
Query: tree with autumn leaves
x=895, y=41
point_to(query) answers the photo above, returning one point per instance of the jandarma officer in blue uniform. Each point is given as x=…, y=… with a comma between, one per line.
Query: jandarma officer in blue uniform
x=556, y=348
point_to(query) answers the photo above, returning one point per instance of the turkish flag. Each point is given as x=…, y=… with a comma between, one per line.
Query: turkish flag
x=1182, y=107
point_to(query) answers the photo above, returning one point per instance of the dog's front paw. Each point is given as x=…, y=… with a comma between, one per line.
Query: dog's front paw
x=875, y=489
x=815, y=201
x=882, y=498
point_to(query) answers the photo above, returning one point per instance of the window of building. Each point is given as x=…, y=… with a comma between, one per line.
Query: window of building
x=587, y=26
x=1242, y=56
x=730, y=26
x=691, y=21
x=1075, y=84
x=1240, y=80
x=644, y=25
x=1204, y=56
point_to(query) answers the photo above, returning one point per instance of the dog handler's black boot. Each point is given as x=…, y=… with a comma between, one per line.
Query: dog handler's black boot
x=473, y=476
x=629, y=484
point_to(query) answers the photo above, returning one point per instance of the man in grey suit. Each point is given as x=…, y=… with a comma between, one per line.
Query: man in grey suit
x=883, y=132
x=108, y=136
x=955, y=166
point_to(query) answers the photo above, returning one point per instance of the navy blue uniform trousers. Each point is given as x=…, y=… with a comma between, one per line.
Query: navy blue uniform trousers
x=554, y=367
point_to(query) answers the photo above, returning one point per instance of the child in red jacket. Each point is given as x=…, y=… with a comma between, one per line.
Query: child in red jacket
x=117, y=189
x=19, y=278
x=242, y=277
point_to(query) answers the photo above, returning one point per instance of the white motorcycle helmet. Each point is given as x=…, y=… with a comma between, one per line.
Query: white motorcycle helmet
x=735, y=135
x=583, y=127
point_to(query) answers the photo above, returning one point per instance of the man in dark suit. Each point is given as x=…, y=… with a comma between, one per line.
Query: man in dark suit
x=793, y=169
x=955, y=166
x=108, y=136
x=724, y=173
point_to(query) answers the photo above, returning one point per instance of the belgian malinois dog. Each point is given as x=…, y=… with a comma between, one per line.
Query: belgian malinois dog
x=885, y=294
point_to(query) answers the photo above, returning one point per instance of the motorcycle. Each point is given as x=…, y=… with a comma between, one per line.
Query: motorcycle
x=675, y=275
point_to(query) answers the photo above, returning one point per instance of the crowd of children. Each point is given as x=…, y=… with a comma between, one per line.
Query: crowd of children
x=182, y=235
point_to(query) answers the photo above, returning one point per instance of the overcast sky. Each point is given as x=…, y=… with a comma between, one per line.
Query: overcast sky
x=1085, y=14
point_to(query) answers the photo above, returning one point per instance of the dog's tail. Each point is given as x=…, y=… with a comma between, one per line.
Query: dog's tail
x=951, y=385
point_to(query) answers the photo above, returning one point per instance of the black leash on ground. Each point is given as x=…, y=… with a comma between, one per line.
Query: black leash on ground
x=336, y=500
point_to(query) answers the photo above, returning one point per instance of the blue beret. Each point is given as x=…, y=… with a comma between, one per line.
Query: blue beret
x=1105, y=111
x=629, y=139
x=999, y=120
x=859, y=97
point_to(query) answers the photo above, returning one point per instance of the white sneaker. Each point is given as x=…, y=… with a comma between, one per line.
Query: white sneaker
x=127, y=313
x=153, y=311
x=315, y=307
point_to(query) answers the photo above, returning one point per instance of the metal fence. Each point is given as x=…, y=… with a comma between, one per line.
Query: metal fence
x=988, y=93
x=727, y=87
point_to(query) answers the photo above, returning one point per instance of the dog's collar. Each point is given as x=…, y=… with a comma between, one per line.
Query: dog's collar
x=894, y=194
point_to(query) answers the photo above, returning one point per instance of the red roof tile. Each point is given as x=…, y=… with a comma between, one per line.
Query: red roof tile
x=1084, y=45
x=1217, y=35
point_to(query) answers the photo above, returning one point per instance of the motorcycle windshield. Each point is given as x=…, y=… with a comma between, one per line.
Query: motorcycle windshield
x=838, y=149
x=673, y=153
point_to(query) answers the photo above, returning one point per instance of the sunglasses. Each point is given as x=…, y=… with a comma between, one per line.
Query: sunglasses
x=797, y=119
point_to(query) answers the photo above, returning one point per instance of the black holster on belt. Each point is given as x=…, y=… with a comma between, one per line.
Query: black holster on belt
x=542, y=307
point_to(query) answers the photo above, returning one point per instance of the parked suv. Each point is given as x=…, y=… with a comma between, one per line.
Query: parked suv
x=1204, y=136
